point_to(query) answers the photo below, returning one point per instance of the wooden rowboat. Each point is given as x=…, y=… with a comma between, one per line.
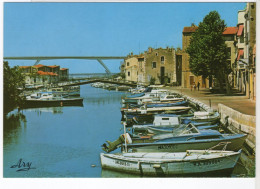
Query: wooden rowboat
x=170, y=164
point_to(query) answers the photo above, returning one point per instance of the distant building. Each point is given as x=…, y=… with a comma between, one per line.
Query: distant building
x=43, y=75
x=131, y=68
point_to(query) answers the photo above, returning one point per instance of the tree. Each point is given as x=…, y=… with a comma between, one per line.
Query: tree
x=208, y=51
x=13, y=80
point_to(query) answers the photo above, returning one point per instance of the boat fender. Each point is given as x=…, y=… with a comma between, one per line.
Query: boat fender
x=128, y=138
x=139, y=165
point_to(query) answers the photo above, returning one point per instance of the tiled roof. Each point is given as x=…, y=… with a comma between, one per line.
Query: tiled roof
x=47, y=73
x=189, y=29
x=230, y=31
x=64, y=69
x=39, y=66
x=53, y=66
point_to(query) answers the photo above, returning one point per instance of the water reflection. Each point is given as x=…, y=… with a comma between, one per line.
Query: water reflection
x=97, y=96
x=53, y=110
x=15, y=125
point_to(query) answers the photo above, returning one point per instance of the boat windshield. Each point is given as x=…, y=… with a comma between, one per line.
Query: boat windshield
x=182, y=130
x=188, y=129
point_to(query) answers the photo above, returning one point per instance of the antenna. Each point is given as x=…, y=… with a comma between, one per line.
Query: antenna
x=124, y=123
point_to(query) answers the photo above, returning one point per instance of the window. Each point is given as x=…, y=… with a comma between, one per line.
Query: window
x=242, y=39
x=228, y=38
x=127, y=63
x=153, y=64
x=162, y=59
x=128, y=73
x=229, y=52
x=164, y=118
x=156, y=54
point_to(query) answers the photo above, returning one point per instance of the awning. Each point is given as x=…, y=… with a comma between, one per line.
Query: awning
x=243, y=61
x=240, y=52
x=240, y=30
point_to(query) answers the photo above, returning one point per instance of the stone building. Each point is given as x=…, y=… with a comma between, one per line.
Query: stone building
x=131, y=68
x=245, y=67
x=230, y=40
x=188, y=78
x=251, y=17
x=158, y=65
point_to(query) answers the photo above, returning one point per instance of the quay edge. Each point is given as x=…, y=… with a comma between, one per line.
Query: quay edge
x=235, y=122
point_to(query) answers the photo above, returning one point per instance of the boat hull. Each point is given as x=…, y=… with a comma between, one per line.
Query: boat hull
x=53, y=103
x=161, y=167
x=169, y=129
x=235, y=144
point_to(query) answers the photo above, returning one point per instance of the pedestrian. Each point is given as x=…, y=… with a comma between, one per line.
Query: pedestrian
x=198, y=85
x=194, y=86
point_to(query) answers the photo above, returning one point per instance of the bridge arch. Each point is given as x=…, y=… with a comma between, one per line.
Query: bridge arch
x=98, y=58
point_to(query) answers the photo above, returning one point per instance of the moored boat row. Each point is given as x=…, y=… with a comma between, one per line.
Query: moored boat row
x=166, y=137
x=54, y=97
x=109, y=86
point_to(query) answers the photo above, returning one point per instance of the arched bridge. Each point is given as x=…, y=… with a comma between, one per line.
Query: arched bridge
x=98, y=58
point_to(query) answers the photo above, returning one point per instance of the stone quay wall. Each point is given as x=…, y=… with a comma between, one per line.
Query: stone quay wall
x=233, y=120
x=239, y=123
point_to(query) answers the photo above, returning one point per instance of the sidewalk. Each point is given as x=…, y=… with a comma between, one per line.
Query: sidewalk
x=237, y=102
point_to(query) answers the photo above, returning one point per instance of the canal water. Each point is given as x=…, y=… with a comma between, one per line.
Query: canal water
x=66, y=141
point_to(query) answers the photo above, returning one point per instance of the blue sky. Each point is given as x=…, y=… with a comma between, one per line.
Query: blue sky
x=100, y=29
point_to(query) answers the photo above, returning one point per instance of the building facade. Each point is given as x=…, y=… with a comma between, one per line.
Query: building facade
x=153, y=66
x=188, y=78
x=131, y=68
x=246, y=46
x=44, y=75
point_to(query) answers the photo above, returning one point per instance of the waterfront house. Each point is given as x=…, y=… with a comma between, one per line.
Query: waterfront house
x=43, y=75
x=156, y=65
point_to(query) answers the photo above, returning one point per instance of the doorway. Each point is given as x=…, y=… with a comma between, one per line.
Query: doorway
x=162, y=74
